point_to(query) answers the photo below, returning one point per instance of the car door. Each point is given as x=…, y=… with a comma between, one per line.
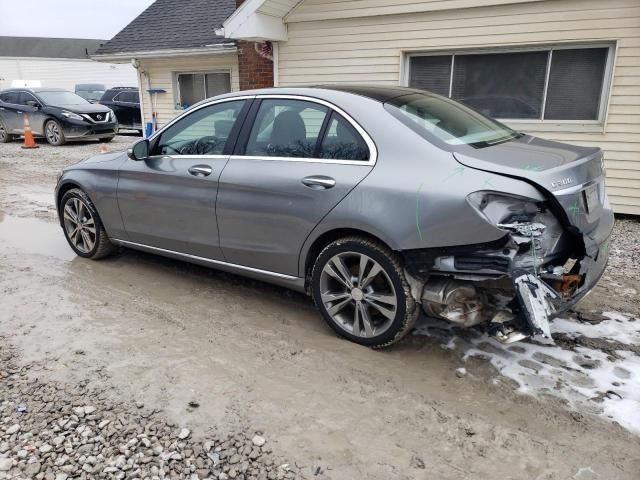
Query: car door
x=32, y=107
x=168, y=200
x=9, y=112
x=118, y=107
x=276, y=187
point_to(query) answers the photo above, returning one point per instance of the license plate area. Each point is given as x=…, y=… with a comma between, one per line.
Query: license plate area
x=591, y=198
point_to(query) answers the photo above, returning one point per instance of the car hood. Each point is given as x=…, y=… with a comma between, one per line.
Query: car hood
x=89, y=108
x=552, y=165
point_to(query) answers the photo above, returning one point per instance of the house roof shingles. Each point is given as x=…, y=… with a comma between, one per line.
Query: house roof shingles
x=172, y=25
x=48, y=47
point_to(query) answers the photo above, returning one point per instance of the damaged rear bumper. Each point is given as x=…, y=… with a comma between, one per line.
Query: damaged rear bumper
x=518, y=298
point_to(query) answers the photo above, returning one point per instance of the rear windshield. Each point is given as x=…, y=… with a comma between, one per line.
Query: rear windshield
x=61, y=97
x=433, y=116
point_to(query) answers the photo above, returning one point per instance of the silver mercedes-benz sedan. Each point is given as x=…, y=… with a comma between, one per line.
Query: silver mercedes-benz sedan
x=373, y=200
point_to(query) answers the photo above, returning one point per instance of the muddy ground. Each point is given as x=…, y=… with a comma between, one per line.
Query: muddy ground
x=259, y=358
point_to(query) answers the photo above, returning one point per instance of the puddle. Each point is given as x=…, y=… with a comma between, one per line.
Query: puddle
x=592, y=380
x=33, y=236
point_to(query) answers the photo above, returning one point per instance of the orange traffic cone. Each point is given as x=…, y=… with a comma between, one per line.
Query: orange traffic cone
x=29, y=142
x=103, y=148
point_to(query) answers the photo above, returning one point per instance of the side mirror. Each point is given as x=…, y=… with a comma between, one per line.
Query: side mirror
x=139, y=150
x=33, y=103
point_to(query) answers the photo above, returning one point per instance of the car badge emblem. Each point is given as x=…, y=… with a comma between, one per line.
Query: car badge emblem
x=99, y=117
x=562, y=182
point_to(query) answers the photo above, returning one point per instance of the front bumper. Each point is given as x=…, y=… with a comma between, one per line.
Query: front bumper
x=83, y=129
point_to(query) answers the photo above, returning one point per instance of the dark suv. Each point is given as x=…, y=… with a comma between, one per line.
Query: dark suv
x=125, y=102
x=55, y=114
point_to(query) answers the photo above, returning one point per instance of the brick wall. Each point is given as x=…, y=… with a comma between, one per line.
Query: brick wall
x=255, y=70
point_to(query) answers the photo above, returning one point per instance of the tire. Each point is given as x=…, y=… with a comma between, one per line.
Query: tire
x=54, y=133
x=383, y=297
x=5, y=137
x=94, y=245
x=106, y=139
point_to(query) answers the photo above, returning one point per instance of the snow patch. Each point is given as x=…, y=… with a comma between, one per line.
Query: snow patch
x=588, y=380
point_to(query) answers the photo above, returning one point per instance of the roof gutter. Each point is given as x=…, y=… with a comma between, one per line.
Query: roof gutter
x=125, y=57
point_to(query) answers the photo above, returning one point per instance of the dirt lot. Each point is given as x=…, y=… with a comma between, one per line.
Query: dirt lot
x=222, y=355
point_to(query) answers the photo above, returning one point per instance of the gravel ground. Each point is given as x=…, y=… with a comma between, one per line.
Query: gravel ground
x=624, y=253
x=54, y=431
x=260, y=361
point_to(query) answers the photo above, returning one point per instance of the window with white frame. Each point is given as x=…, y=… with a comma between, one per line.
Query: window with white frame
x=194, y=87
x=568, y=83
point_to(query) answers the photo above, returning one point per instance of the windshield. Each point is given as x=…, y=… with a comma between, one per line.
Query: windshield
x=448, y=121
x=61, y=97
x=91, y=95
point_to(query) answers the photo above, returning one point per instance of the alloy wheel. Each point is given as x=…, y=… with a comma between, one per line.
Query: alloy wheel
x=79, y=225
x=358, y=294
x=53, y=132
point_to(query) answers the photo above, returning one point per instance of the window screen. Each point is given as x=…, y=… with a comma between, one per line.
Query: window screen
x=512, y=85
x=432, y=73
x=575, y=83
x=506, y=85
x=194, y=87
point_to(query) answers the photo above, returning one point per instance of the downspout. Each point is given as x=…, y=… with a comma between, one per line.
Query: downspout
x=136, y=64
x=276, y=67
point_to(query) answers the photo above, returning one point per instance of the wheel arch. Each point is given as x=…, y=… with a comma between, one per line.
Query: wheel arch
x=313, y=247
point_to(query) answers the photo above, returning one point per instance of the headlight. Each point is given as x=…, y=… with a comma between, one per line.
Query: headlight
x=72, y=115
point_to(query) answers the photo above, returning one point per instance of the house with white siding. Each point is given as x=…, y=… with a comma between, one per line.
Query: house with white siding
x=567, y=70
x=59, y=63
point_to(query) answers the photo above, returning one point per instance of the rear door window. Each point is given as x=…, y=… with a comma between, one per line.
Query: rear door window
x=286, y=128
x=342, y=142
x=10, y=97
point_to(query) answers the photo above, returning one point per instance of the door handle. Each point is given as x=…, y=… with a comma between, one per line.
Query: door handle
x=200, y=170
x=319, y=182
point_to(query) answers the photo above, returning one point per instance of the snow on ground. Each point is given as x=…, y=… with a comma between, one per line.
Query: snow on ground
x=598, y=376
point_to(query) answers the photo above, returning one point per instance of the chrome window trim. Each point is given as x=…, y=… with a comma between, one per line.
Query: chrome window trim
x=373, y=151
x=207, y=260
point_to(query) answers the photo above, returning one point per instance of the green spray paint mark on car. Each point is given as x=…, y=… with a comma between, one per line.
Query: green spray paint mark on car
x=487, y=182
x=418, y=211
x=458, y=171
x=574, y=209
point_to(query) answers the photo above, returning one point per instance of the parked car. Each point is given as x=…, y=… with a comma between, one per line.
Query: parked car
x=91, y=92
x=55, y=114
x=373, y=200
x=125, y=102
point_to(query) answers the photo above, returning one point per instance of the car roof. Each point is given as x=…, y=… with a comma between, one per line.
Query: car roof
x=378, y=93
x=34, y=89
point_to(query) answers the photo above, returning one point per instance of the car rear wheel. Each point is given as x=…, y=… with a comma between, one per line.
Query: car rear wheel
x=5, y=136
x=361, y=290
x=106, y=139
x=82, y=226
x=54, y=134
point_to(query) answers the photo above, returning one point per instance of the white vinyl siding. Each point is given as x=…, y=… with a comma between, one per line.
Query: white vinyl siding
x=65, y=73
x=367, y=41
x=163, y=73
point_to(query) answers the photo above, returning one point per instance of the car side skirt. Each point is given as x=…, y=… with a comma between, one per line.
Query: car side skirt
x=294, y=283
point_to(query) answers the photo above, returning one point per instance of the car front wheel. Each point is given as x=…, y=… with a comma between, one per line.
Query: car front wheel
x=82, y=226
x=5, y=136
x=54, y=134
x=361, y=290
